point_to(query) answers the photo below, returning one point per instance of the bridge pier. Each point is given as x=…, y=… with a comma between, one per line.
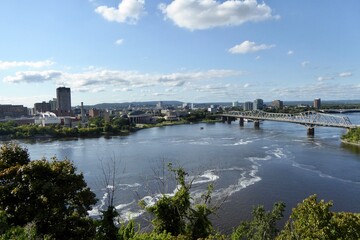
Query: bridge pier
x=223, y=119
x=241, y=122
x=256, y=123
x=311, y=131
x=230, y=119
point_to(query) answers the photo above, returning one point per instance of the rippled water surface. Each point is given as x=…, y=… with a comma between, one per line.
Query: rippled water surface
x=247, y=166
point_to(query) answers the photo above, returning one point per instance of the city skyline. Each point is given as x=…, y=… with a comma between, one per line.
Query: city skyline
x=190, y=51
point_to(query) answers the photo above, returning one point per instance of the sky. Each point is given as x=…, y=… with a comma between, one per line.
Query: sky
x=113, y=51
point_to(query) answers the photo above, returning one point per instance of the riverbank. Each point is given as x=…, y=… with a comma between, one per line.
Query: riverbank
x=71, y=133
x=351, y=143
x=352, y=137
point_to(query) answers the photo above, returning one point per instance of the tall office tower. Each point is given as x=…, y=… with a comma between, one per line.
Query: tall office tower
x=248, y=106
x=63, y=107
x=317, y=103
x=258, y=104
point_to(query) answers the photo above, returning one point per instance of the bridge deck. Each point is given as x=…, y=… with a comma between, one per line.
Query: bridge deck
x=309, y=118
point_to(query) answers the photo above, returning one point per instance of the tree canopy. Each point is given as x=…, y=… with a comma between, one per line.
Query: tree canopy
x=50, y=193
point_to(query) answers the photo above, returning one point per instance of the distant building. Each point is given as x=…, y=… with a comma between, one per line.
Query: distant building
x=248, y=106
x=140, y=117
x=159, y=105
x=212, y=109
x=317, y=103
x=13, y=111
x=94, y=112
x=258, y=104
x=235, y=104
x=186, y=105
x=53, y=104
x=47, y=118
x=63, y=107
x=42, y=107
x=278, y=104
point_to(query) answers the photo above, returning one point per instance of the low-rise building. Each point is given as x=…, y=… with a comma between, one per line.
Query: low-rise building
x=47, y=118
x=277, y=104
x=13, y=111
x=140, y=117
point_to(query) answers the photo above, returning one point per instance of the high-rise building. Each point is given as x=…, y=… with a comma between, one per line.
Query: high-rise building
x=63, y=107
x=317, y=103
x=235, y=104
x=278, y=104
x=248, y=106
x=258, y=104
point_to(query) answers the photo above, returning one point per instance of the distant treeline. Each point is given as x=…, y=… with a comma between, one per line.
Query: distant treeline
x=94, y=127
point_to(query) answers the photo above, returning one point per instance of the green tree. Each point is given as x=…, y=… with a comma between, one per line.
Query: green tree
x=263, y=224
x=176, y=215
x=12, y=154
x=49, y=193
x=314, y=220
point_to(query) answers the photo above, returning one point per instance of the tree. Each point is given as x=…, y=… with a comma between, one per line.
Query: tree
x=12, y=154
x=176, y=215
x=107, y=228
x=49, y=193
x=314, y=220
x=263, y=224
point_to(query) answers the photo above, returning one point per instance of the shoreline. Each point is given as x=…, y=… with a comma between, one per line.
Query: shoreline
x=351, y=143
x=104, y=134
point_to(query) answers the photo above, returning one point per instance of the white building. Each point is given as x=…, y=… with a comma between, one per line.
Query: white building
x=47, y=118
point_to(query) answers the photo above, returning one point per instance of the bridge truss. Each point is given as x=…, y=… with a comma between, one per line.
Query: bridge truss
x=309, y=118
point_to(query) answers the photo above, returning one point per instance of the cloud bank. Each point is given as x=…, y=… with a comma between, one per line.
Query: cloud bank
x=128, y=11
x=205, y=14
x=32, y=64
x=102, y=79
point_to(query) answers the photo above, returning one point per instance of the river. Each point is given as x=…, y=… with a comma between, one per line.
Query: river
x=248, y=166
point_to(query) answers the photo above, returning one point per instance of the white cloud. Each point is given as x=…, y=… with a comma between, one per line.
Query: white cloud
x=290, y=52
x=325, y=78
x=32, y=64
x=97, y=80
x=128, y=11
x=125, y=89
x=246, y=85
x=345, y=74
x=205, y=14
x=33, y=76
x=119, y=41
x=257, y=58
x=249, y=47
x=305, y=63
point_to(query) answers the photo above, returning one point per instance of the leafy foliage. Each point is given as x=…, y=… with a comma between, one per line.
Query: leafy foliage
x=175, y=215
x=12, y=154
x=263, y=224
x=352, y=135
x=314, y=220
x=49, y=193
x=107, y=228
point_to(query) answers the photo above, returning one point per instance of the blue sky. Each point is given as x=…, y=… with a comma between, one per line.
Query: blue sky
x=186, y=50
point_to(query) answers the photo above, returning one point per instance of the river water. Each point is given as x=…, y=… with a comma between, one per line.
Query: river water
x=248, y=166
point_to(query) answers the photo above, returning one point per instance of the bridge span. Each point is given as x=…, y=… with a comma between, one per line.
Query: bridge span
x=309, y=119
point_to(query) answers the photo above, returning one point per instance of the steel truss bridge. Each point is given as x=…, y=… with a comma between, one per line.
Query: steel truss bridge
x=309, y=119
